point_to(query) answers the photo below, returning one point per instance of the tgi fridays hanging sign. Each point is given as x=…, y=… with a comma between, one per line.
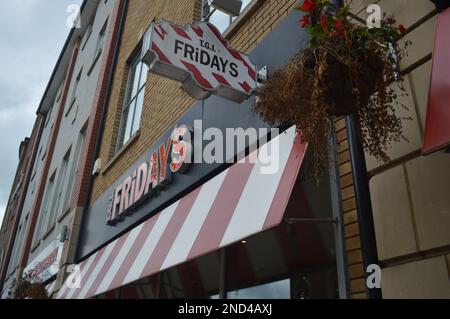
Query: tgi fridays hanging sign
x=199, y=57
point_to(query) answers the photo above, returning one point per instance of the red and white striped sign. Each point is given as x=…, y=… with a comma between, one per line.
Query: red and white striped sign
x=238, y=203
x=199, y=57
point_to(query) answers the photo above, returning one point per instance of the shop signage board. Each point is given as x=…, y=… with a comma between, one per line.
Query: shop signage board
x=199, y=57
x=171, y=157
x=45, y=265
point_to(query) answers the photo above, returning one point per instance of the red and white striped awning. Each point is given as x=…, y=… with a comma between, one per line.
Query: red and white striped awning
x=244, y=200
x=50, y=288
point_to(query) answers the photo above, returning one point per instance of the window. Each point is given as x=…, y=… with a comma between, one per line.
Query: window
x=33, y=189
x=74, y=169
x=100, y=41
x=59, y=94
x=134, y=99
x=18, y=244
x=220, y=19
x=16, y=247
x=43, y=217
x=86, y=36
x=18, y=185
x=56, y=203
x=75, y=90
x=42, y=152
x=20, y=232
x=48, y=116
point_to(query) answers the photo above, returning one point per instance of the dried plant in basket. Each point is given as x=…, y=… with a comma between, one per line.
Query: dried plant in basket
x=347, y=69
x=29, y=290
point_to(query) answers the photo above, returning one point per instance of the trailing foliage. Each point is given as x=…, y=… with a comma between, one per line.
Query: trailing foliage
x=28, y=290
x=348, y=68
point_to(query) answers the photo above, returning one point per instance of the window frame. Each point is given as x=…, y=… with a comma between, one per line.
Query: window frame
x=55, y=208
x=209, y=11
x=101, y=41
x=43, y=217
x=87, y=35
x=75, y=88
x=73, y=174
x=135, y=66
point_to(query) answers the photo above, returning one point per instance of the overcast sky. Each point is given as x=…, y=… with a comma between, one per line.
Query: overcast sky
x=32, y=34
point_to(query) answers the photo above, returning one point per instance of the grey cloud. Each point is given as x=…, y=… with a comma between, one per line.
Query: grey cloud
x=32, y=34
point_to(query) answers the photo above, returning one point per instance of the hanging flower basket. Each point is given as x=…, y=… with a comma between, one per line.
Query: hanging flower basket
x=338, y=88
x=348, y=68
x=28, y=290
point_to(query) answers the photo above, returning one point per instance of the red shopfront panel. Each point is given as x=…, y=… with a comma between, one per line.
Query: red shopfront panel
x=437, y=130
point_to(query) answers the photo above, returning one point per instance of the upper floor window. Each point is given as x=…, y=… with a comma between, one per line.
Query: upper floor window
x=86, y=36
x=75, y=88
x=218, y=18
x=74, y=170
x=101, y=41
x=57, y=205
x=48, y=116
x=59, y=93
x=134, y=99
x=45, y=212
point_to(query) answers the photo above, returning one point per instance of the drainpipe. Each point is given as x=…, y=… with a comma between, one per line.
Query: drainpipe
x=363, y=203
x=363, y=200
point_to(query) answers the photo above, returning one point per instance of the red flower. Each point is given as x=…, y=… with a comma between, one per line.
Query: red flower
x=308, y=6
x=401, y=28
x=323, y=20
x=305, y=21
x=340, y=30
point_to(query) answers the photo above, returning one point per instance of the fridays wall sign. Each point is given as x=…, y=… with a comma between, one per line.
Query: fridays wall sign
x=199, y=57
